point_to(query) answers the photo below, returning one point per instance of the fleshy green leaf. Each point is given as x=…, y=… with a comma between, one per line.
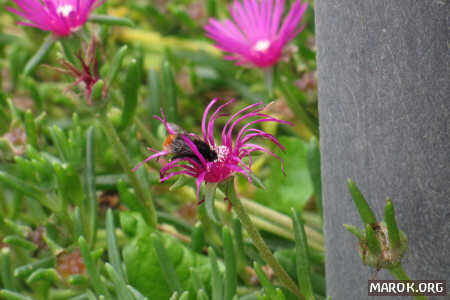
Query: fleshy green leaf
x=37, y=58
x=143, y=265
x=302, y=258
x=130, y=88
x=110, y=20
x=391, y=223
x=210, y=192
x=170, y=89
x=366, y=213
x=166, y=265
x=354, y=230
x=265, y=282
x=113, y=248
x=216, y=276
x=297, y=187
x=230, y=264
x=372, y=241
x=116, y=65
x=313, y=159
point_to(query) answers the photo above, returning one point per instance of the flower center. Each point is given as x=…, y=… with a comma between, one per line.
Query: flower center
x=222, y=153
x=261, y=46
x=64, y=10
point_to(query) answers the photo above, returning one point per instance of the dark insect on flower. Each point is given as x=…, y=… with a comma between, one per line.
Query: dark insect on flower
x=211, y=162
x=176, y=145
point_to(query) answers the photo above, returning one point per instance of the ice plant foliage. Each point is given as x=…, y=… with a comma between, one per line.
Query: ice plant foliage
x=207, y=161
x=257, y=32
x=61, y=17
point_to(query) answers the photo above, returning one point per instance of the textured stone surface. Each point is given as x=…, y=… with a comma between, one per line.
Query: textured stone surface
x=384, y=101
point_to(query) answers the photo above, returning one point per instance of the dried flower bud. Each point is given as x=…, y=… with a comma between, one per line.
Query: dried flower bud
x=68, y=264
x=387, y=256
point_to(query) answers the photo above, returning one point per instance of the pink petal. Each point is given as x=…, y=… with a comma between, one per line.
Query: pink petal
x=224, y=130
x=170, y=175
x=262, y=134
x=213, y=118
x=205, y=116
x=200, y=179
x=162, y=153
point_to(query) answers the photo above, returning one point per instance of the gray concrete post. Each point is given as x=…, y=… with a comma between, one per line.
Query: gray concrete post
x=384, y=102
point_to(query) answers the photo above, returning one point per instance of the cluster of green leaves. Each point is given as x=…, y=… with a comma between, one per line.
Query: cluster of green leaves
x=73, y=155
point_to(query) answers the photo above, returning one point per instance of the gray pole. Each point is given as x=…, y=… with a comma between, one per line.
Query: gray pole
x=384, y=101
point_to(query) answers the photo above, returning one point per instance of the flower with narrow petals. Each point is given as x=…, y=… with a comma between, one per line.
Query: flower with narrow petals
x=256, y=34
x=62, y=17
x=207, y=161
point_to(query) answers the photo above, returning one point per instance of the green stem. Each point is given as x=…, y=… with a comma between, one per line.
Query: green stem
x=269, y=226
x=400, y=273
x=273, y=219
x=125, y=162
x=258, y=241
x=268, y=76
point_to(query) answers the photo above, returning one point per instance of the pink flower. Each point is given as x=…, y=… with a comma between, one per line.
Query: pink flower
x=62, y=17
x=256, y=35
x=202, y=158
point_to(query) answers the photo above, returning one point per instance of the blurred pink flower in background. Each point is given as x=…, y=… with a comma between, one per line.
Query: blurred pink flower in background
x=256, y=34
x=61, y=17
x=203, y=159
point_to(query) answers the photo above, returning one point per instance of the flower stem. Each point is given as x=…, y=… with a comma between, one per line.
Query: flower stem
x=268, y=76
x=258, y=241
x=400, y=273
x=125, y=162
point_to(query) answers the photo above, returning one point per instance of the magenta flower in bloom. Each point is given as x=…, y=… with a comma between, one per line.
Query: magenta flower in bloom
x=62, y=17
x=256, y=34
x=202, y=158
